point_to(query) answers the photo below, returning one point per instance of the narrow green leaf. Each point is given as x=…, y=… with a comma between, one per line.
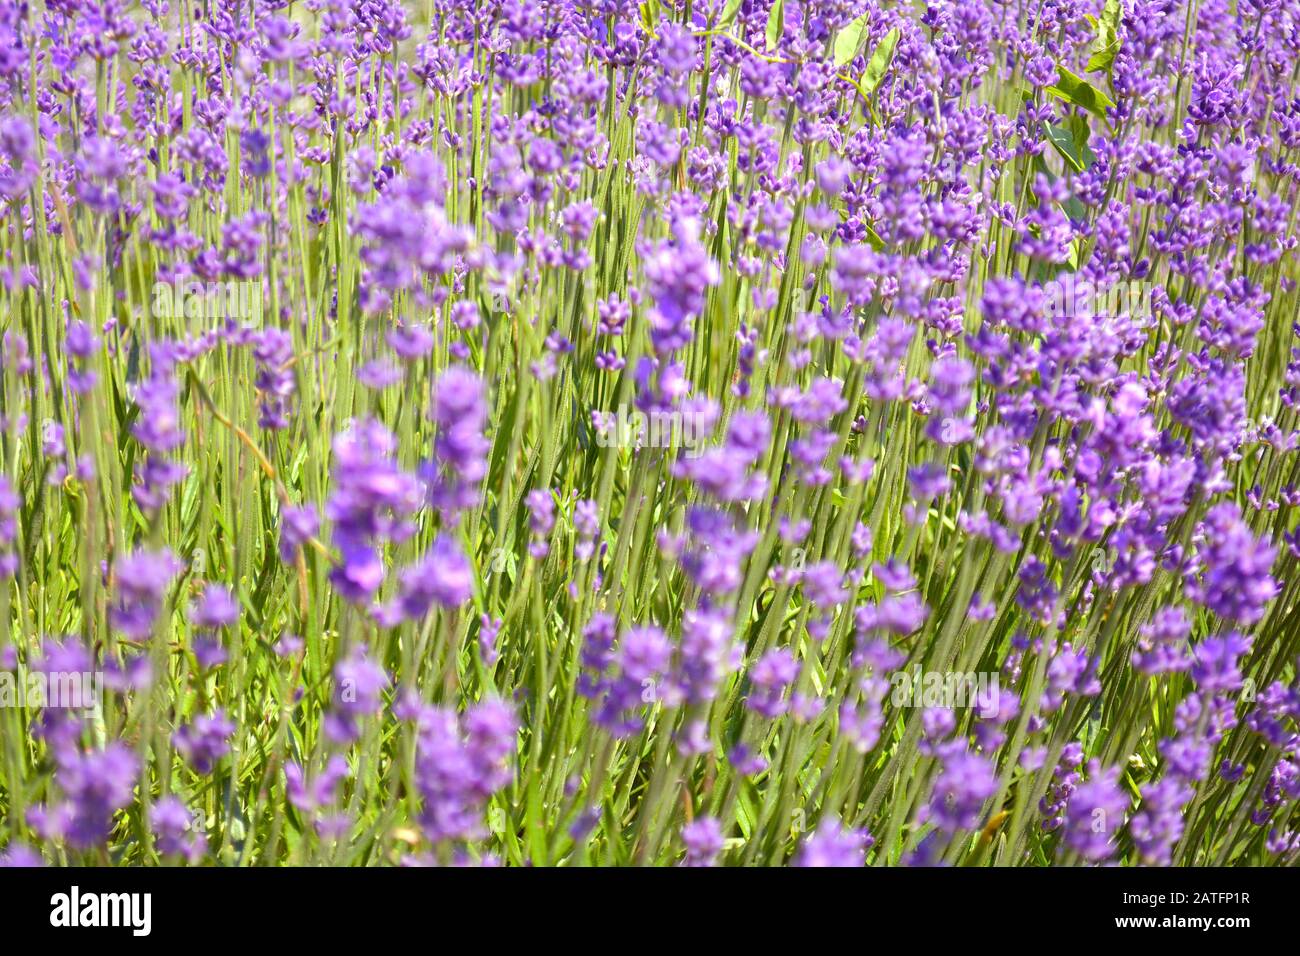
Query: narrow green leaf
x=535, y=824
x=1040, y=166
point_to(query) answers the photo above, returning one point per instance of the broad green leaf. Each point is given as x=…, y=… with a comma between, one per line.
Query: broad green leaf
x=1063, y=142
x=1107, y=43
x=1080, y=92
x=1079, y=129
x=848, y=39
x=728, y=14
x=775, y=24
x=879, y=62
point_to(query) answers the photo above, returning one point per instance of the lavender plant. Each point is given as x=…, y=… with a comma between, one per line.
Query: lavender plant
x=694, y=432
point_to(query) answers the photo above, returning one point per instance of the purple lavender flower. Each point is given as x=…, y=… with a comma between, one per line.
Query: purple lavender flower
x=171, y=822
x=273, y=351
x=966, y=781
x=1236, y=583
x=541, y=519
x=632, y=673
x=20, y=856
x=97, y=784
x=358, y=687
x=158, y=429
x=297, y=526
x=831, y=845
x=371, y=503
x=708, y=653
x=770, y=675
x=1095, y=814
x=443, y=577
x=1158, y=825
x=460, y=451
x=205, y=740
x=586, y=523
x=678, y=272
x=10, y=504
x=315, y=795
x=460, y=763
x=215, y=609
x=703, y=841
x=142, y=579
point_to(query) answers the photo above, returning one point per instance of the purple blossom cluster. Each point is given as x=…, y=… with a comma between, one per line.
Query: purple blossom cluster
x=810, y=432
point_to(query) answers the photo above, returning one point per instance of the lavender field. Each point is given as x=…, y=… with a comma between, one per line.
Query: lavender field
x=693, y=432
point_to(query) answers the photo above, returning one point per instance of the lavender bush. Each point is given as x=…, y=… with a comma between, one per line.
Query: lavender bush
x=694, y=432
